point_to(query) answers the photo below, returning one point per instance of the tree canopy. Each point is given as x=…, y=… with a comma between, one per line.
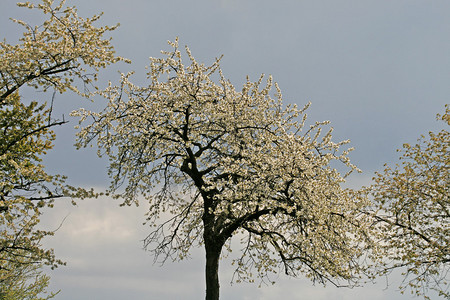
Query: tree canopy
x=25, y=188
x=64, y=52
x=215, y=163
x=414, y=212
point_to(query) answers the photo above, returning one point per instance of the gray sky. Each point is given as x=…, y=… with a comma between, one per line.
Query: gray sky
x=379, y=70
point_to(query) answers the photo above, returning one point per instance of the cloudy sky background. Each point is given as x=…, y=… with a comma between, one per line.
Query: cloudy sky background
x=379, y=70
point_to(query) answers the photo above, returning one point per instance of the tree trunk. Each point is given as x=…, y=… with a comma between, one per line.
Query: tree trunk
x=212, y=270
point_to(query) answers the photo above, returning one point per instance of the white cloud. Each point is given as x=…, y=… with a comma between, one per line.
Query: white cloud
x=102, y=245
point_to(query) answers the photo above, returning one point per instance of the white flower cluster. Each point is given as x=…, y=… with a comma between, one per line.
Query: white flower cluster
x=57, y=53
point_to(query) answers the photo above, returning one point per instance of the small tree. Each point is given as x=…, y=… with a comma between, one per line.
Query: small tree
x=216, y=163
x=414, y=213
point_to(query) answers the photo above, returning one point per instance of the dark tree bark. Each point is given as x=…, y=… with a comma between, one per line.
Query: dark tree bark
x=212, y=271
x=213, y=248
